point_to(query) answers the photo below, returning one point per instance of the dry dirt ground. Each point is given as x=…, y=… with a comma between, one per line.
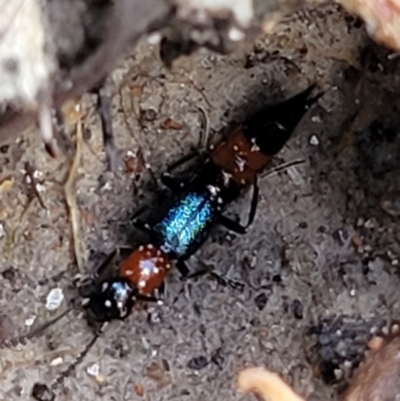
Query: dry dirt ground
x=318, y=270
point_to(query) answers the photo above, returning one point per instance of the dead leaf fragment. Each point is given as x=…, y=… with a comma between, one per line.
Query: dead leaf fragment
x=169, y=123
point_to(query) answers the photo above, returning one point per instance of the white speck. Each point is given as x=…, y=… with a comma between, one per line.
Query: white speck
x=373, y=330
x=352, y=292
x=150, y=246
x=316, y=119
x=314, y=141
x=367, y=248
x=145, y=343
x=107, y=303
x=338, y=374
x=241, y=163
x=154, y=38
x=370, y=223
x=212, y=189
x=85, y=301
x=392, y=56
x=54, y=299
x=37, y=174
x=56, y=361
x=295, y=175
x=142, y=284
x=2, y=232
x=40, y=187
x=148, y=166
x=235, y=35
x=395, y=262
x=107, y=186
x=360, y=222
x=104, y=286
x=93, y=370
x=29, y=322
x=254, y=148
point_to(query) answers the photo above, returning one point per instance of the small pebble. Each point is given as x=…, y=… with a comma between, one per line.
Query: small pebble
x=37, y=174
x=235, y=35
x=154, y=38
x=29, y=322
x=56, y=361
x=54, y=299
x=93, y=370
x=338, y=374
x=40, y=187
x=314, y=141
x=360, y=222
x=370, y=223
x=107, y=186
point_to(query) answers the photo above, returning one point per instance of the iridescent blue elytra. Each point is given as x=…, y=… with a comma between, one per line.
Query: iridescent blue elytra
x=185, y=222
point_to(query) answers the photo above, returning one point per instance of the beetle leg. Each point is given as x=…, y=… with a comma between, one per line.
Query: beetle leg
x=146, y=298
x=232, y=225
x=182, y=268
x=253, y=204
x=235, y=226
x=171, y=182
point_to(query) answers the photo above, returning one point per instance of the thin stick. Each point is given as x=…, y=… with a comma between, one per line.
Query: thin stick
x=69, y=192
x=281, y=167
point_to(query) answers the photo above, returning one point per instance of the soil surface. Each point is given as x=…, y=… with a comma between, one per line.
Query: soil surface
x=316, y=275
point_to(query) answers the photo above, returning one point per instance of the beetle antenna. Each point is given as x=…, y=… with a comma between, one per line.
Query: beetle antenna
x=36, y=332
x=41, y=391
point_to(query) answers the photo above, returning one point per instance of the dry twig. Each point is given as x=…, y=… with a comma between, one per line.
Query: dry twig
x=69, y=192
